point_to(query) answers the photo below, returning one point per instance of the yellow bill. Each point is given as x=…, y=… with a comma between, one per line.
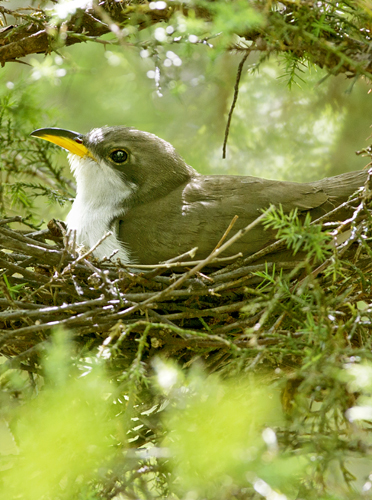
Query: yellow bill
x=67, y=139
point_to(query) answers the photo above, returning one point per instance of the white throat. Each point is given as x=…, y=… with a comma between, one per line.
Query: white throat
x=99, y=197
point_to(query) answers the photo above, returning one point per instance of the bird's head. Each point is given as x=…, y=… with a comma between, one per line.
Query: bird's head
x=142, y=162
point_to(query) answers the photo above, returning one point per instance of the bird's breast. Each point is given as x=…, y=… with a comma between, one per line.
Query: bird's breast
x=91, y=223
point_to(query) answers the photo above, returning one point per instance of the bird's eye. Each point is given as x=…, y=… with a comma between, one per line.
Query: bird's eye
x=119, y=156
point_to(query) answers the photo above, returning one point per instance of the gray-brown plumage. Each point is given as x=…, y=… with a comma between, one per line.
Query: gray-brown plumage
x=160, y=207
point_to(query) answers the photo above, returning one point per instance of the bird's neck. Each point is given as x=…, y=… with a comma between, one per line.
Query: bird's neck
x=100, y=197
x=160, y=184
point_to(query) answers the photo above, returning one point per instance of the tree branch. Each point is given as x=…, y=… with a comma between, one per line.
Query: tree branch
x=302, y=30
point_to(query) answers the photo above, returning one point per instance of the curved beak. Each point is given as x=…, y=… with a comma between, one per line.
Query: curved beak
x=67, y=139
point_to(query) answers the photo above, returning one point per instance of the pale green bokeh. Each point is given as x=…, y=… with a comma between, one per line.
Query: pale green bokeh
x=64, y=435
x=221, y=434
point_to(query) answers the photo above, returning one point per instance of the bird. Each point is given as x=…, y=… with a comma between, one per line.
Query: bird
x=136, y=185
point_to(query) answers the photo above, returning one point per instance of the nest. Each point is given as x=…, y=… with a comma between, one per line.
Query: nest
x=182, y=308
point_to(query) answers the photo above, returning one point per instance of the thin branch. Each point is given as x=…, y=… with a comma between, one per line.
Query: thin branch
x=225, y=234
x=235, y=98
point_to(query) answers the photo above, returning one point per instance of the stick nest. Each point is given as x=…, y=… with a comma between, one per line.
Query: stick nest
x=244, y=312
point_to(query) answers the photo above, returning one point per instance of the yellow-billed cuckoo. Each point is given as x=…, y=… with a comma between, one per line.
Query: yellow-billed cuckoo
x=135, y=184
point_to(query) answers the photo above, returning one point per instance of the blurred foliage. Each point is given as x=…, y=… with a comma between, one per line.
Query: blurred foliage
x=27, y=171
x=71, y=431
x=80, y=426
x=70, y=441
x=63, y=435
x=213, y=455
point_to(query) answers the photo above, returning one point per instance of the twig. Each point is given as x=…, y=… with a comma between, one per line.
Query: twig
x=214, y=311
x=235, y=218
x=158, y=270
x=91, y=250
x=171, y=265
x=17, y=218
x=26, y=273
x=243, y=271
x=45, y=311
x=235, y=98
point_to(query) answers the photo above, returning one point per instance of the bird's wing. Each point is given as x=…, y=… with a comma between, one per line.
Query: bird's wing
x=199, y=212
